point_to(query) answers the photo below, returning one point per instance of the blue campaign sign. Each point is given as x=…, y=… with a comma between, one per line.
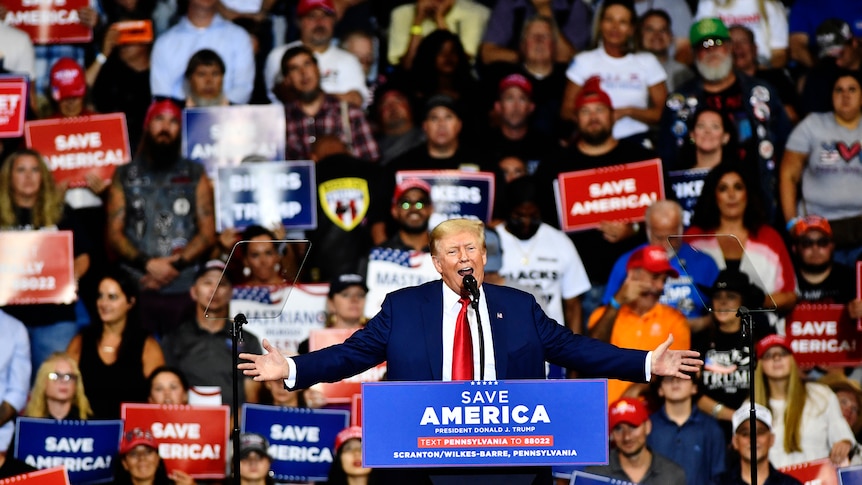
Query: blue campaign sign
x=266, y=193
x=86, y=448
x=301, y=440
x=851, y=475
x=224, y=136
x=484, y=423
x=685, y=187
x=456, y=193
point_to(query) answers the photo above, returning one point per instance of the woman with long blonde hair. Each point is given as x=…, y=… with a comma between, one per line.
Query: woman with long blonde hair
x=58, y=391
x=807, y=419
x=29, y=201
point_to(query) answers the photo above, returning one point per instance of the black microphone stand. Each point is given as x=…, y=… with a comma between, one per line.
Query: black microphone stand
x=474, y=302
x=236, y=338
x=748, y=333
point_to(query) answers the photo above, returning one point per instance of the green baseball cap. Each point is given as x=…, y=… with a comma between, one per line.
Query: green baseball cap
x=710, y=28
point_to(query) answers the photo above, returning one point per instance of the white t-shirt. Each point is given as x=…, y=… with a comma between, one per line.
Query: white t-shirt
x=340, y=71
x=547, y=262
x=769, y=27
x=626, y=79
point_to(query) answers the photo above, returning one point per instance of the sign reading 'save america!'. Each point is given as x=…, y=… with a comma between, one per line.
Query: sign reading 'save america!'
x=13, y=105
x=74, y=147
x=49, y=21
x=616, y=193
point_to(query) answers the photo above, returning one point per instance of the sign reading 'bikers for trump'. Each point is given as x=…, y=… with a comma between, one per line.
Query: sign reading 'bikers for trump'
x=37, y=267
x=49, y=21
x=483, y=423
x=266, y=194
x=13, y=105
x=193, y=439
x=301, y=441
x=75, y=147
x=616, y=193
x=456, y=193
x=86, y=448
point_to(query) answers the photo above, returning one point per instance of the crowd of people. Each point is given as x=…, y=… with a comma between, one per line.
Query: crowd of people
x=759, y=100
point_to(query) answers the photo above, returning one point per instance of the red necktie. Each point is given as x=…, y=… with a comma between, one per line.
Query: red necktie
x=462, y=352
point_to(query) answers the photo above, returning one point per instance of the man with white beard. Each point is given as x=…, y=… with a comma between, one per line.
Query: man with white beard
x=753, y=106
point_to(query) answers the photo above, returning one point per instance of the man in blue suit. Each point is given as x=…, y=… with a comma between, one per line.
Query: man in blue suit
x=414, y=333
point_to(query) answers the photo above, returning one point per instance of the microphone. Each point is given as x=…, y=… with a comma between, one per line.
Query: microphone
x=472, y=286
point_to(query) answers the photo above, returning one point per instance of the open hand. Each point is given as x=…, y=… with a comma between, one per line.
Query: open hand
x=672, y=363
x=271, y=366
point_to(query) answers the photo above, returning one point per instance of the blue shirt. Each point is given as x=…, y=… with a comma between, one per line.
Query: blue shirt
x=174, y=48
x=697, y=446
x=679, y=292
x=15, y=370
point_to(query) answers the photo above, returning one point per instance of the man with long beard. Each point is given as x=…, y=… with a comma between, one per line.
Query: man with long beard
x=754, y=108
x=161, y=219
x=313, y=113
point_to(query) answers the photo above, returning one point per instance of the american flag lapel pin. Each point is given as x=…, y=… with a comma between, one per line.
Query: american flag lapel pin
x=499, y=315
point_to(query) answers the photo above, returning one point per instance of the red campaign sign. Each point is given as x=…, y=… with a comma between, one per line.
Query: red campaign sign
x=821, y=472
x=193, y=439
x=48, y=476
x=73, y=147
x=616, y=193
x=823, y=334
x=37, y=267
x=49, y=21
x=356, y=410
x=341, y=392
x=13, y=106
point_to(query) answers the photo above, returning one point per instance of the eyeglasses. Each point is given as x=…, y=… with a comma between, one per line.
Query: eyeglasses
x=56, y=376
x=808, y=243
x=418, y=205
x=140, y=453
x=710, y=43
x=776, y=355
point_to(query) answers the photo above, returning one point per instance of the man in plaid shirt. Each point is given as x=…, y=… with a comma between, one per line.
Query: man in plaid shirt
x=311, y=113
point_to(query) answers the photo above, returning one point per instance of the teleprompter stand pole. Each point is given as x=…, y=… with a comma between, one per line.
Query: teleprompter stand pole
x=236, y=338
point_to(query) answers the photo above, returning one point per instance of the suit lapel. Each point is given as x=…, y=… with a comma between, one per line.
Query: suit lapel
x=497, y=314
x=431, y=313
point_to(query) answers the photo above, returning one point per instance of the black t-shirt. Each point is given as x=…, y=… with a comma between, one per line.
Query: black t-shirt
x=598, y=254
x=12, y=467
x=838, y=287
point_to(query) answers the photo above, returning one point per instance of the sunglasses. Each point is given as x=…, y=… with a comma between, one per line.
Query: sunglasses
x=806, y=243
x=56, y=376
x=418, y=205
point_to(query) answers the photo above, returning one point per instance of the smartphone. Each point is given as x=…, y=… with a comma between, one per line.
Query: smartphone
x=134, y=32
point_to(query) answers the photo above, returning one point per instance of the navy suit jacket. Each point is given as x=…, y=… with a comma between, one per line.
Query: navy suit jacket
x=407, y=333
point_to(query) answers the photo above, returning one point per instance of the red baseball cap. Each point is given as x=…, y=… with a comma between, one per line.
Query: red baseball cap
x=592, y=93
x=67, y=80
x=652, y=258
x=627, y=410
x=517, y=81
x=353, y=432
x=306, y=6
x=409, y=184
x=810, y=223
x=137, y=437
x=770, y=341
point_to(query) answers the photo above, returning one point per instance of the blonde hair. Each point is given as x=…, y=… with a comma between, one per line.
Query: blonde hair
x=795, y=399
x=455, y=226
x=49, y=202
x=37, y=407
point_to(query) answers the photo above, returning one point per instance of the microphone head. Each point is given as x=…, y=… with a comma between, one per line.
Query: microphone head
x=472, y=285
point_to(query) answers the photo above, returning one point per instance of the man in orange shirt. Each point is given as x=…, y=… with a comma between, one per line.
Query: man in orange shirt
x=634, y=318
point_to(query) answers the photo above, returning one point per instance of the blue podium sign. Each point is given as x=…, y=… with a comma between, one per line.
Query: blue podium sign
x=851, y=475
x=301, y=441
x=86, y=448
x=484, y=423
